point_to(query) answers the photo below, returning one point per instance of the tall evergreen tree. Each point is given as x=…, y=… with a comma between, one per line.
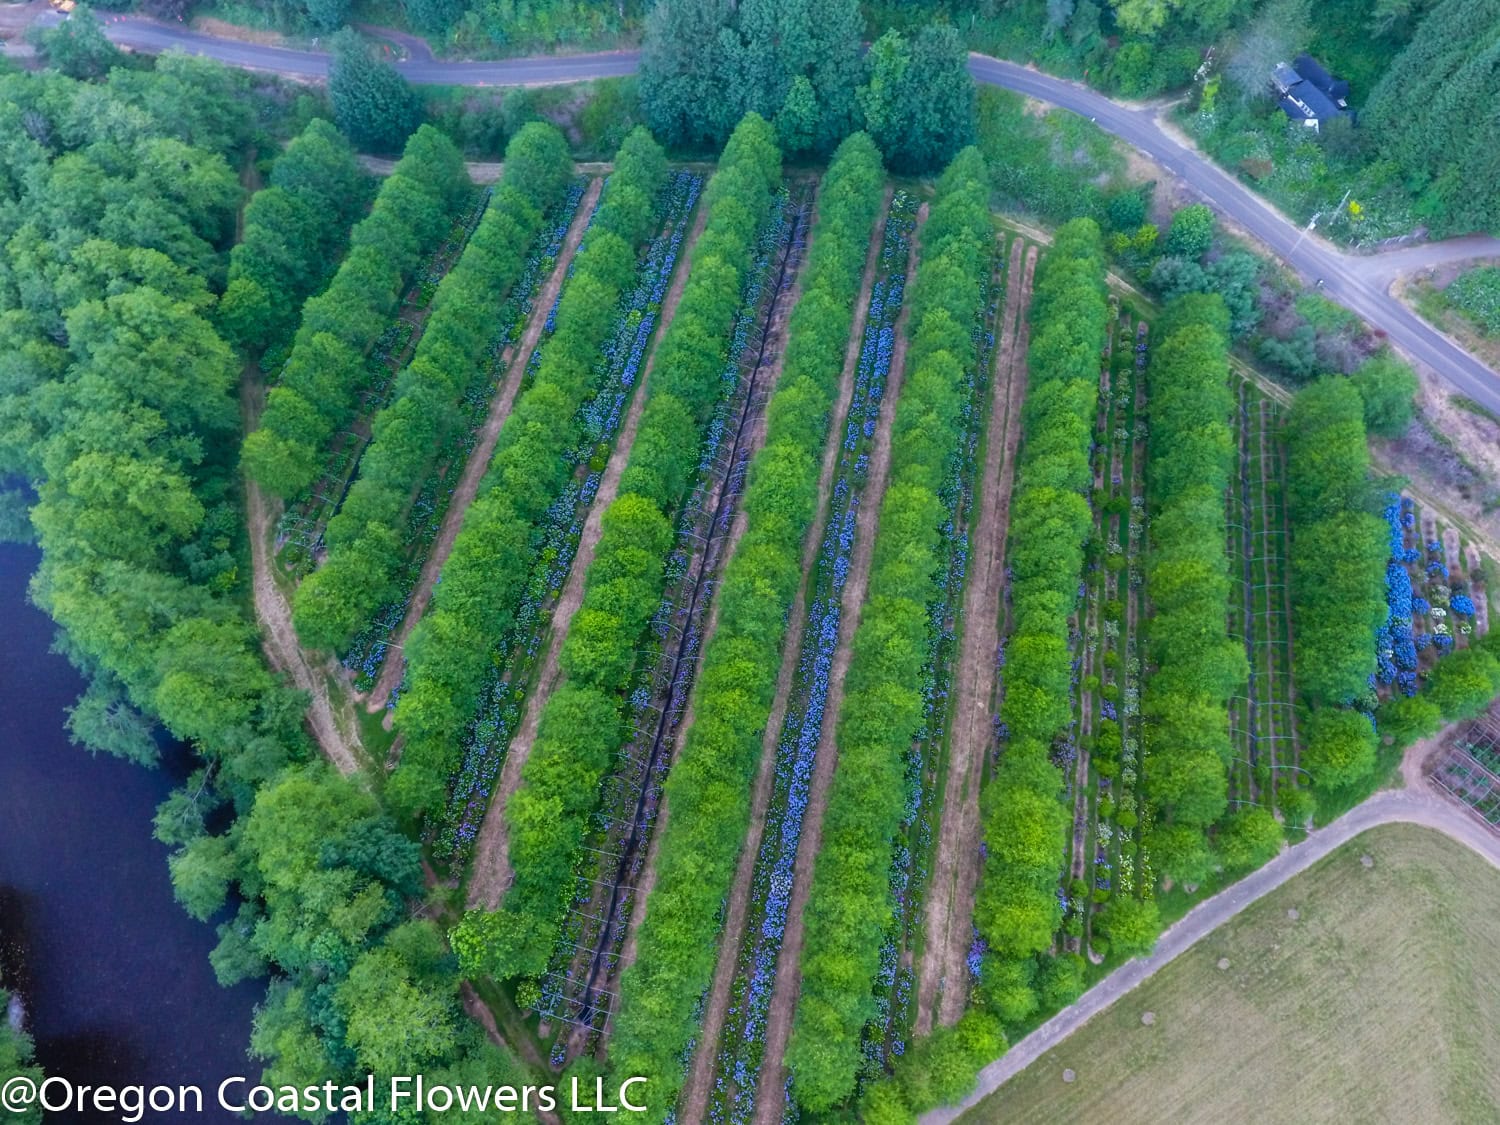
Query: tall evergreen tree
x=706, y=63
x=919, y=101
x=373, y=105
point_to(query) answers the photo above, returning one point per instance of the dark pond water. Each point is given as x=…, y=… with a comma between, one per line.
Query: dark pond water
x=115, y=975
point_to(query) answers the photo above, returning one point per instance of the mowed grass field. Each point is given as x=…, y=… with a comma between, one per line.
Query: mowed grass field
x=1378, y=1002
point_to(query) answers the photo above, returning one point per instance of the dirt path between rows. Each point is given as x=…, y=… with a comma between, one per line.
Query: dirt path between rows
x=773, y=359
x=479, y=1011
x=339, y=740
x=490, y=873
x=1415, y=805
x=517, y=356
x=693, y=1104
x=955, y=872
x=768, y=1106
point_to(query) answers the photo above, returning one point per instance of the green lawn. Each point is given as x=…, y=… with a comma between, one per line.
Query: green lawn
x=1375, y=1004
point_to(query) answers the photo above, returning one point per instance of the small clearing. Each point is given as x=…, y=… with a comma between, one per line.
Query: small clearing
x=1344, y=1013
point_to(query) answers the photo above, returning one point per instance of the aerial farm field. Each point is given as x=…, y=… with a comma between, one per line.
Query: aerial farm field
x=900, y=606
x=1377, y=952
x=782, y=613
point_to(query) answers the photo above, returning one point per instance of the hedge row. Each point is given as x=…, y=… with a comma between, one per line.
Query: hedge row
x=849, y=904
x=1339, y=551
x=1025, y=822
x=1197, y=668
x=1339, y=548
x=483, y=582
x=580, y=727
x=322, y=380
x=716, y=766
x=294, y=229
x=365, y=540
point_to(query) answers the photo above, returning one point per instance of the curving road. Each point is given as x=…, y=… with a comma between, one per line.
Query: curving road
x=1403, y=806
x=1359, y=282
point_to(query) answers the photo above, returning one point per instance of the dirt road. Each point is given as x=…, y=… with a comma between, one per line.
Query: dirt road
x=336, y=734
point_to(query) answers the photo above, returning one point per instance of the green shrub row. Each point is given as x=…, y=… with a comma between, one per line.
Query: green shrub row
x=320, y=385
x=295, y=229
x=1339, y=548
x=849, y=905
x=1025, y=821
x=938, y=1069
x=449, y=653
x=720, y=755
x=1196, y=667
x=580, y=726
x=365, y=539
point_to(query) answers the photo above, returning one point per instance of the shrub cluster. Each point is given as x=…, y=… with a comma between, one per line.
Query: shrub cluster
x=849, y=905
x=365, y=539
x=484, y=580
x=322, y=380
x=1339, y=551
x=1025, y=823
x=580, y=727
x=1197, y=668
x=720, y=754
x=937, y=1070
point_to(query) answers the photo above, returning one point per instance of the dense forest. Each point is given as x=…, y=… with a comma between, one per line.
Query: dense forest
x=118, y=205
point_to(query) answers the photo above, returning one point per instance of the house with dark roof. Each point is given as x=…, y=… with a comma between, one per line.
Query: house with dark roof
x=1308, y=93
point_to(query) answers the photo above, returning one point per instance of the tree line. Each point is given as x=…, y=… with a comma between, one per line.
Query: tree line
x=119, y=202
x=295, y=232
x=1339, y=549
x=449, y=653
x=702, y=838
x=1430, y=114
x=802, y=65
x=367, y=538
x=1024, y=819
x=849, y=904
x=581, y=728
x=319, y=388
x=1194, y=665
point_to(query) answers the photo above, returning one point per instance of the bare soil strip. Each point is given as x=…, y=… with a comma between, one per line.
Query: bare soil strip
x=633, y=873
x=517, y=356
x=768, y=1105
x=339, y=740
x=693, y=1104
x=949, y=898
x=490, y=873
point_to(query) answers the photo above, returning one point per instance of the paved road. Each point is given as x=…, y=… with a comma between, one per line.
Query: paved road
x=1404, y=806
x=148, y=35
x=1360, y=282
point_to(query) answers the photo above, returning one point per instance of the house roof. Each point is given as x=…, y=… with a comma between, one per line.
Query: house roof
x=1312, y=70
x=1306, y=102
